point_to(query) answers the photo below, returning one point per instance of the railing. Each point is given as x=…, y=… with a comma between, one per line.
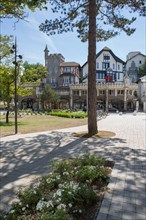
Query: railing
x=105, y=85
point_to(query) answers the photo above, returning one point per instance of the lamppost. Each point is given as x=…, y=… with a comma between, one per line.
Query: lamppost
x=109, y=78
x=14, y=50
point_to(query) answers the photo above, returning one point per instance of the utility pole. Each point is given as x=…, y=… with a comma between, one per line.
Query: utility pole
x=15, y=95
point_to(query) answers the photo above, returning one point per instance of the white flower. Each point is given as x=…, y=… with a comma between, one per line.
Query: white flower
x=12, y=211
x=34, y=191
x=80, y=211
x=58, y=193
x=70, y=205
x=48, y=180
x=58, y=177
x=61, y=206
x=49, y=203
x=23, y=208
x=40, y=205
x=65, y=173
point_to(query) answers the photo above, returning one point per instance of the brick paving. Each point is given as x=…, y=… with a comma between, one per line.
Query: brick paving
x=24, y=158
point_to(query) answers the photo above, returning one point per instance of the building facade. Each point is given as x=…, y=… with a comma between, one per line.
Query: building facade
x=134, y=61
x=115, y=81
x=109, y=67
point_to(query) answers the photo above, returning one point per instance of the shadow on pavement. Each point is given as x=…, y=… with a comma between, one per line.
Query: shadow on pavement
x=26, y=159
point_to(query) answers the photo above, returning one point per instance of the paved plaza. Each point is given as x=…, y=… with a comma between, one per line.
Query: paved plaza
x=24, y=158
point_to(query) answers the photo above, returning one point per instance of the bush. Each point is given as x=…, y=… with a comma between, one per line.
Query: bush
x=64, y=194
x=69, y=114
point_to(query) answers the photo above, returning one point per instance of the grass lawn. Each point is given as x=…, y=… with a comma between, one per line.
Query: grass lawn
x=37, y=123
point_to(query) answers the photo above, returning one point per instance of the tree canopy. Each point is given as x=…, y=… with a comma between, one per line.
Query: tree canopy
x=6, y=43
x=33, y=73
x=49, y=96
x=17, y=9
x=74, y=14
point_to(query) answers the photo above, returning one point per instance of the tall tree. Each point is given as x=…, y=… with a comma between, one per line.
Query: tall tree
x=7, y=76
x=80, y=15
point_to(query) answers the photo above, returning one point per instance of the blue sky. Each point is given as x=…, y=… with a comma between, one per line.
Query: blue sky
x=31, y=42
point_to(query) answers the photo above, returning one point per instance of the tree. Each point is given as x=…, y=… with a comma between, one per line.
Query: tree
x=7, y=87
x=49, y=96
x=17, y=9
x=6, y=43
x=142, y=69
x=33, y=73
x=7, y=76
x=80, y=15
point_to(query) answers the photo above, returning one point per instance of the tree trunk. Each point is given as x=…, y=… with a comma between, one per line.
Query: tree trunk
x=7, y=113
x=92, y=94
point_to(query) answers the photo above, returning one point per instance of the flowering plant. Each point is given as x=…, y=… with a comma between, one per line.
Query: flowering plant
x=66, y=193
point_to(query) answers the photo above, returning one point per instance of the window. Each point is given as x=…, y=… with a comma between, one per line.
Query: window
x=67, y=69
x=53, y=80
x=118, y=67
x=84, y=92
x=113, y=66
x=76, y=92
x=111, y=92
x=106, y=57
x=101, y=92
x=120, y=92
x=97, y=65
x=66, y=80
x=105, y=65
x=140, y=62
x=118, y=75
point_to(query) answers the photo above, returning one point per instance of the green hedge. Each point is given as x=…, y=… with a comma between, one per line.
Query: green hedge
x=69, y=114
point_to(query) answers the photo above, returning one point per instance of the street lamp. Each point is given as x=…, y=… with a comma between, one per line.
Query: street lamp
x=14, y=50
x=108, y=78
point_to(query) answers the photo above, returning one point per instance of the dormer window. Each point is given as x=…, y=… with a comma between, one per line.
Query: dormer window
x=106, y=57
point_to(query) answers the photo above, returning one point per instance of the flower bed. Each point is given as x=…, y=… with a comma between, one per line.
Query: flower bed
x=69, y=192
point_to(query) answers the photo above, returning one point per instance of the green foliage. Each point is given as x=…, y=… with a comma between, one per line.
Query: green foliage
x=33, y=73
x=49, y=96
x=65, y=193
x=6, y=83
x=16, y=9
x=5, y=46
x=29, y=197
x=142, y=69
x=68, y=114
x=57, y=215
x=74, y=14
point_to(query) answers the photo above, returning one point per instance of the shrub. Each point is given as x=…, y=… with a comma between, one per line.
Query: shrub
x=64, y=194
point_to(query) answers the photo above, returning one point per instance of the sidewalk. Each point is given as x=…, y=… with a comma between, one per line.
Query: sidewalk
x=26, y=157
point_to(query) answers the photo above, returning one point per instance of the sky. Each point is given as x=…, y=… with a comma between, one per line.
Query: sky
x=31, y=42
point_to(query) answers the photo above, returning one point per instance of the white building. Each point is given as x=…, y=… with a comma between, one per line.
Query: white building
x=134, y=61
x=142, y=91
x=109, y=67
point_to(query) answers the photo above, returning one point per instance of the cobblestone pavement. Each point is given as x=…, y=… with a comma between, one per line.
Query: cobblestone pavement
x=24, y=158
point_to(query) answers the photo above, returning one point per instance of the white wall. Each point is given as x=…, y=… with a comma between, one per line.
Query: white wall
x=137, y=60
x=118, y=67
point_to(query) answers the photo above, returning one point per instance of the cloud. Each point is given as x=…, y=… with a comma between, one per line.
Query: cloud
x=39, y=36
